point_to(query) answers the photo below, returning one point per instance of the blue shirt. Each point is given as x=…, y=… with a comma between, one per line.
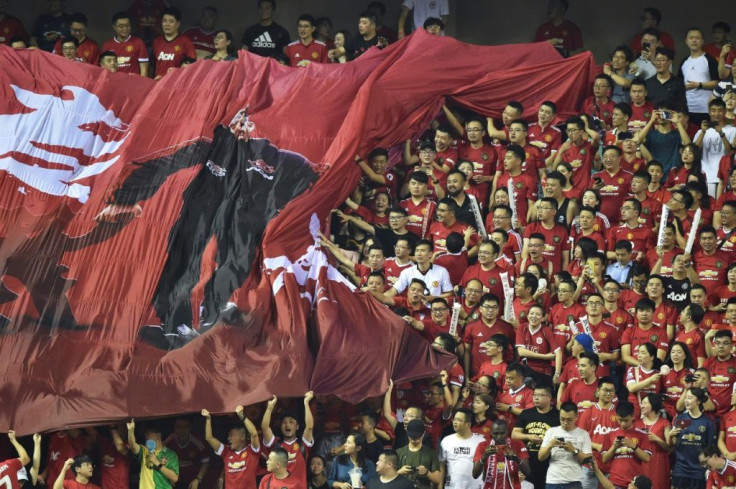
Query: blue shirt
x=341, y=467
x=698, y=434
x=620, y=273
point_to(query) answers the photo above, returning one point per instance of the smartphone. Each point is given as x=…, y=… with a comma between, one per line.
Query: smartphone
x=620, y=438
x=712, y=124
x=666, y=115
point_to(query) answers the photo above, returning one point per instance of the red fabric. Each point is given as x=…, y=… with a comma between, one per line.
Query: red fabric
x=100, y=373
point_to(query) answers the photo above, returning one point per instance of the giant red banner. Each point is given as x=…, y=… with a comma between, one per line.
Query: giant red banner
x=159, y=241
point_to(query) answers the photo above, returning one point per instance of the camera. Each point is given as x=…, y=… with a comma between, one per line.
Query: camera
x=712, y=124
x=620, y=438
x=690, y=378
x=588, y=460
x=645, y=46
x=666, y=115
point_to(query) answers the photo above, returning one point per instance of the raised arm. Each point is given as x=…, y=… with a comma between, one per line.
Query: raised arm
x=266, y=421
x=387, y=412
x=208, y=437
x=36, y=467
x=135, y=448
x=308, y=435
x=59, y=482
x=22, y=454
x=255, y=441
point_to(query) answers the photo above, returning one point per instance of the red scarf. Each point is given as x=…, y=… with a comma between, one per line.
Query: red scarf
x=510, y=473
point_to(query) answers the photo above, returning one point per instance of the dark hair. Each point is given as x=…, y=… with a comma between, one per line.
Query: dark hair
x=392, y=456
x=624, y=409
x=655, y=400
x=79, y=18
x=361, y=446
x=625, y=108
x=454, y=242
x=308, y=18
x=229, y=37
x=626, y=50
x=530, y=281
x=645, y=304
x=172, y=11
x=551, y=105
x=448, y=342
x=70, y=39
x=368, y=15
x=655, y=13
x=612, y=147
x=419, y=176
x=432, y=21
x=624, y=244
x=425, y=242
x=468, y=414
x=700, y=394
x=546, y=386
x=569, y=407
x=666, y=52
x=555, y=175
x=593, y=357
x=378, y=152
x=516, y=105
x=588, y=246
x=576, y=121
x=605, y=380
x=517, y=151
x=652, y=31
x=455, y=171
x=688, y=362
x=120, y=16
x=724, y=26
x=106, y=54
x=450, y=203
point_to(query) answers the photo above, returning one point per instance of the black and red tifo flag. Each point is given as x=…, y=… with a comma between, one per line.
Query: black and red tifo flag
x=136, y=216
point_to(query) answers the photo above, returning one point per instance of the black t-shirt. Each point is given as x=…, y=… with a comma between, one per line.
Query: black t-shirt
x=388, y=239
x=400, y=482
x=359, y=45
x=535, y=423
x=266, y=40
x=677, y=292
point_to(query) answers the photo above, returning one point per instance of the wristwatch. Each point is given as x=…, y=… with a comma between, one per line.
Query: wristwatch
x=159, y=466
x=576, y=452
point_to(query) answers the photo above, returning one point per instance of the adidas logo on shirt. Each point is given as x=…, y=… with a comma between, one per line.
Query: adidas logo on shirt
x=264, y=41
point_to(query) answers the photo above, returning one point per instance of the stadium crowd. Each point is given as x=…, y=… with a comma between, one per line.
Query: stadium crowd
x=583, y=271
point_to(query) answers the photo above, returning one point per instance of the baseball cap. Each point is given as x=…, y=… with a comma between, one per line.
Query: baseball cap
x=586, y=341
x=415, y=428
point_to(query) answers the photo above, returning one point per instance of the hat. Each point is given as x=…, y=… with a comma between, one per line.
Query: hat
x=586, y=341
x=642, y=482
x=22, y=474
x=415, y=428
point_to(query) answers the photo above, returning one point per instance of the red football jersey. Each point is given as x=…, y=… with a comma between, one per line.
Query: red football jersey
x=420, y=215
x=202, y=41
x=131, y=53
x=711, y=269
x=625, y=465
x=540, y=341
x=722, y=378
x=170, y=54
x=556, y=242
x=581, y=159
x=580, y=393
x=614, y=191
x=484, y=160
x=11, y=27
x=9, y=473
x=546, y=140
x=477, y=333
x=88, y=51
x=636, y=336
x=240, y=467
x=301, y=54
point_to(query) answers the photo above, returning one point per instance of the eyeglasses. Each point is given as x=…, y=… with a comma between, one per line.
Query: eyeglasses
x=440, y=311
x=572, y=131
x=509, y=217
x=395, y=218
x=609, y=289
x=489, y=307
x=473, y=291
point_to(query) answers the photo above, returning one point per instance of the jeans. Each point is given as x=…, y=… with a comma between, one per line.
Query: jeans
x=589, y=480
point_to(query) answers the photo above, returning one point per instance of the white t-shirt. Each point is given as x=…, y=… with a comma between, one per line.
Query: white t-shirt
x=563, y=466
x=424, y=9
x=437, y=279
x=696, y=70
x=458, y=455
x=713, y=150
